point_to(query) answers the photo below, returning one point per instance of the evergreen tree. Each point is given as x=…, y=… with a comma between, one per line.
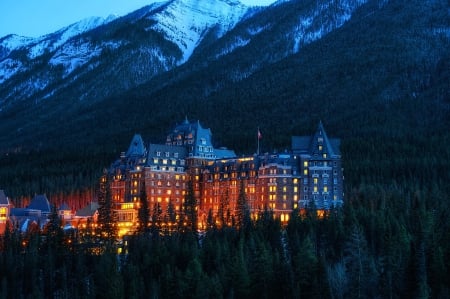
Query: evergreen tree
x=190, y=208
x=243, y=213
x=106, y=217
x=144, y=210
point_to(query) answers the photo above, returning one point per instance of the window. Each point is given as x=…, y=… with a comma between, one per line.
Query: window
x=315, y=189
x=305, y=171
x=167, y=154
x=325, y=188
x=320, y=148
x=316, y=180
x=324, y=155
x=305, y=164
x=158, y=154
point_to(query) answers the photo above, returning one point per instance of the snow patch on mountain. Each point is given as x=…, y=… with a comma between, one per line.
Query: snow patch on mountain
x=52, y=41
x=12, y=42
x=8, y=68
x=311, y=26
x=75, y=54
x=185, y=22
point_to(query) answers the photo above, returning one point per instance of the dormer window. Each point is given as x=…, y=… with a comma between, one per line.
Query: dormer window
x=158, y=154
x=167, y=154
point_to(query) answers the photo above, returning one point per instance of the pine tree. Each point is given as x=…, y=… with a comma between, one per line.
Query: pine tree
x=243, y=214
x=190, y=209
x=106, y=215
x=144, y=211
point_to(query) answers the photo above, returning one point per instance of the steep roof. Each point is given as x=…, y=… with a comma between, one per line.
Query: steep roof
x=153, y=150
x=88, y=211
x=136, y=148
x=64, y=207
x=223, y=153
x=3, y=199
x=40, y=202
x=317, y=144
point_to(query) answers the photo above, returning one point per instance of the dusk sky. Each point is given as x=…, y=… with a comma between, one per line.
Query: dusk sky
x=34, y=18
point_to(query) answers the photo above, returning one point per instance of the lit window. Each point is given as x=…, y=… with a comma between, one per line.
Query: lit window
x=305, y=163
x=305, y=171
x=316, y=180
x=320, y=148
x=164, y=161
x=315, y=189
x=324, y=155
x=295, y=181
x=325, y=189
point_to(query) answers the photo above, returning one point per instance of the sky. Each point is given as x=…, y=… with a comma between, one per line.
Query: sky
x=34, y=18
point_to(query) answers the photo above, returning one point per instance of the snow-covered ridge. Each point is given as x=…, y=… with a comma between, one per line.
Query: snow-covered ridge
x=185, y=22
x=52, y=41
x=37, y=46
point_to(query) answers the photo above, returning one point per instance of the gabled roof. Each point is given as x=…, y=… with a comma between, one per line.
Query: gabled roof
x=64, y=207
x=40, y=202
x=317, y=144
x=3, y=199
x=136, y=148
x=88, y=211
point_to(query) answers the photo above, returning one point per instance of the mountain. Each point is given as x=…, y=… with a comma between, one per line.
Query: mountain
x=376, y=72
x=127, y=51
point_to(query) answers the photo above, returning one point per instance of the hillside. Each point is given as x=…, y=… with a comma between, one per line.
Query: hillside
x=378, y=79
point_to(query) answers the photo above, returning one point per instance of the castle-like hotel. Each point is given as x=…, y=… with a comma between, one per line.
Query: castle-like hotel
x=310, y=174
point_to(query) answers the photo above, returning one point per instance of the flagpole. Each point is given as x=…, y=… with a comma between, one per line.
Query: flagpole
x=257, y=140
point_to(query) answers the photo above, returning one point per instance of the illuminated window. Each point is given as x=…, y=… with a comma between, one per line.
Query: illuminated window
x=295, y=181
x=2, y=213
x=315, y=189
x=316, y=180
x=295, y=189
x=305, y=171
x=325, y=189
x=164, y=161
x=284, y=189
x=324, y=155
x=305, y=163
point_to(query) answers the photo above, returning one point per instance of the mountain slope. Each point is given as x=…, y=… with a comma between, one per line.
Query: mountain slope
x=380, y=81
x=125, y=52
